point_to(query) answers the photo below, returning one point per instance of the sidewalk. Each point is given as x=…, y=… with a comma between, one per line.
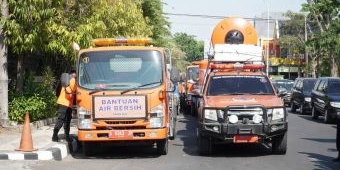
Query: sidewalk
x=41, y=132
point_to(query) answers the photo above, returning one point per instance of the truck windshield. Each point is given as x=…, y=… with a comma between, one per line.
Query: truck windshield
x=238, y=85
x=120, y=69
x=192, y=72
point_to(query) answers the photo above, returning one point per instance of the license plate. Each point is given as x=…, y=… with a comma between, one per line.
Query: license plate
x=246, y=139
x=120, y=134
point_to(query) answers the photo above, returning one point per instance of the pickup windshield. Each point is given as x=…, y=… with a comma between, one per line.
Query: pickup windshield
x=239, y=85
x=120, y=69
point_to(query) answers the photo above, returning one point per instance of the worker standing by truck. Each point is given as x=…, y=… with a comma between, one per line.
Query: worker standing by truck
x=65, y=102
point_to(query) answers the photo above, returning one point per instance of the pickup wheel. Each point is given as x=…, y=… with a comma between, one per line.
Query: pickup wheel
x=279, y=144
x=292, y=107
x=205, y=146
x=315, y=113
x=162, y=147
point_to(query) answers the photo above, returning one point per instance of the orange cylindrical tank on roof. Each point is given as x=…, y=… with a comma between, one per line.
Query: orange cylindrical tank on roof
x=234, y=31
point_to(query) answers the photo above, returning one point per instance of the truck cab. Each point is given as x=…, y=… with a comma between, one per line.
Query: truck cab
x=123, y=94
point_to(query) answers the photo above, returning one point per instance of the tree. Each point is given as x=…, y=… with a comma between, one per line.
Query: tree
x=324, y=41
x=292, y=36
x=192, y=48
x=28, y=31
x=153, y=12
x=3, y=70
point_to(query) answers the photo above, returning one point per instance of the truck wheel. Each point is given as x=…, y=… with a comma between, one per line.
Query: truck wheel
x=279, y=144
x=172, y=128
x=205, y=146
x=315, y=113
x=292, y=107
x=88, y=148
x=162, y=147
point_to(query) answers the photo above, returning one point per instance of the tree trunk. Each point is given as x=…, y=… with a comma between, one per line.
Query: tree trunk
x=20, y=75
x=3, y=71
x=334, y=68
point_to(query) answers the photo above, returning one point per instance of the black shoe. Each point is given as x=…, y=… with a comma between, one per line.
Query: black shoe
x=55, y=139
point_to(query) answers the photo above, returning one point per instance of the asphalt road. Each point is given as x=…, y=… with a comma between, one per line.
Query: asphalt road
x=311, y=146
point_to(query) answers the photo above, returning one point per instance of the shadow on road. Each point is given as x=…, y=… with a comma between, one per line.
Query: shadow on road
x=322, y=162
x=321, y=140
x=120, y=152
x=189, y=137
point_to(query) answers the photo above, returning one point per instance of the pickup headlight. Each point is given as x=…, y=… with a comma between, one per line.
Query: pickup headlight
x=307, y=99
x=335, y=104
x=157, y=117
x=210, y=114
x=84, y=118
x=277, y=113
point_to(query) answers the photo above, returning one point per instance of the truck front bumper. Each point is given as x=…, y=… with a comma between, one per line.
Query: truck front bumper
x=123, y=135
x=226, y=132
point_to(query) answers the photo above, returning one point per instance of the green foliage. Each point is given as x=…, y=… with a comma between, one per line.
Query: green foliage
x=120, y=18
x=324, y=37
x=153, y=12
x=38, y=99
x=188, y=44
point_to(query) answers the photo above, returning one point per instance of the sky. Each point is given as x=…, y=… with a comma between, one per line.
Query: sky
x=201, y=27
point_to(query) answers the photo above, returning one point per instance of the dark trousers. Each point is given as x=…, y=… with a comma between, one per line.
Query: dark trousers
x=64, y=118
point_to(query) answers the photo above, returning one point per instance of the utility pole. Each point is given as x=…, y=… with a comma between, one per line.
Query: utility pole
x=3, y=70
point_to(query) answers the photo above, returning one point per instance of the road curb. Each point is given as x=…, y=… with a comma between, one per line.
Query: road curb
x=56, y=152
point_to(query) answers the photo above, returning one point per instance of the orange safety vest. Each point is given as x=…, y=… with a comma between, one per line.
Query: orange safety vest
x=66, y=97
x=180, y=88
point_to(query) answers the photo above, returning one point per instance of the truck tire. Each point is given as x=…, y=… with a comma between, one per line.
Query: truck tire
x=172, y=129
x=162, y=147
x=205, y=146
x=279, y=144
x=88, y=148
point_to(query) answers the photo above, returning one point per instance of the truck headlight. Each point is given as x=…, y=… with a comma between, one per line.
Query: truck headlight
x=257, y=118
x=84, y=118
x=277, y=113
x=307, y=99
x=335, y=104
x=157, y=117
x=210, y=114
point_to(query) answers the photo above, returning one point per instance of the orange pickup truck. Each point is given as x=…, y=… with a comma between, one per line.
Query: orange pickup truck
x=237, y=102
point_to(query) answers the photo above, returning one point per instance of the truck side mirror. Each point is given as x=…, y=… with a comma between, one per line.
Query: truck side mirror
x=65, y=80
x=174, y=75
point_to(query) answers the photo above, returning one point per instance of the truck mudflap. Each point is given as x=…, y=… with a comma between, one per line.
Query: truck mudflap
x=123, y=135
x=243, y=133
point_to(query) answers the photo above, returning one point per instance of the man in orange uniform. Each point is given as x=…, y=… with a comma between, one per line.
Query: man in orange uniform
x=65, y=103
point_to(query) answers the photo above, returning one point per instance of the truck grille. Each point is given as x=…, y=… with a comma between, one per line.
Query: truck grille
x=120, y=122
x=244, y=114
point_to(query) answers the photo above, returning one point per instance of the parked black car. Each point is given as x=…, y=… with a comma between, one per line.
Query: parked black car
x=284, y=89
x=326, y=98
x=301, y=94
